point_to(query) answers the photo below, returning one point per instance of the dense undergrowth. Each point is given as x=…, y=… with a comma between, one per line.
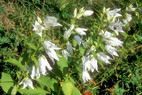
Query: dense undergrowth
x=122, y=77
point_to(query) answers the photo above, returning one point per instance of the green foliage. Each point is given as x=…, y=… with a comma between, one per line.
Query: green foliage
x=18, y=48
x=36, y=91
x=16, y=62
x=69, y=88
x=6, y=83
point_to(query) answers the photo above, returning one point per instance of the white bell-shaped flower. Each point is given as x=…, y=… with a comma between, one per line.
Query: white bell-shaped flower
x=26, y=82
x=87, y=13
x=51, y=21
x=81, y=31
x=103, y=57
x=116, y=27
x=112, y=14
x=105, y=34
x=70, y=48
x=44, y=65
x=111, y=50
x=68, y=32
x=86, y=76
x=35, y=73
x=78, y=39
x=50, y=50
x=38, y=28
x=90, y=63
x=127, y=19
x=113, y=41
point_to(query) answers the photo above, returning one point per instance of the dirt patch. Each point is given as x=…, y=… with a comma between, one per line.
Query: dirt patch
x=4, y=16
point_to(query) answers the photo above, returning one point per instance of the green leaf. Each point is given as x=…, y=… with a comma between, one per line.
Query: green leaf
x=47, y=81
x=32, y=46
x=69, y=89
x=15, y=62
x=34, y=60
x=6, y=82
x=14, y=90
x=81, y=50
x=62, y=63
x=35, y=91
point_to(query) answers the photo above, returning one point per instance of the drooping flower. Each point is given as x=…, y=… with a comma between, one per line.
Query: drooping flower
x=35, y=73
x=26, y=82
x=51, y=21
x=105, y=34
x=38, y=28
x=81, y=31
x=103, y=57
x=68, y=32
x=111, y=50
x=116, y=27
x=66, y=54
x=112, y=14
x=50, y=50
x=113, y=41
x=90, y=63
x=130, y=8
x=87, y=13
x=44, y=65
x=86, y=76
x=70, y=48
x=127, y=19
x=78, y=39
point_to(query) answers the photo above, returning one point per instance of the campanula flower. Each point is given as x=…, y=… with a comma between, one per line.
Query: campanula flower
x=26, y=82
x=38, y=28
x=103, y=57
x=44, y=65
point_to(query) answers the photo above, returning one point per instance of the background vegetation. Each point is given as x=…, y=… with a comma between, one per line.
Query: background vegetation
x=124, y=76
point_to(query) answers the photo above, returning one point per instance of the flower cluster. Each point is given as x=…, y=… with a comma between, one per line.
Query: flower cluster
x=50, y=48
x=110, y=32
x=113, y=26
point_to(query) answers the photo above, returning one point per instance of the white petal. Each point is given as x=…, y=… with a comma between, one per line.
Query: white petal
x=70, y=48
x=116, y=27
x=88, y=13
x=111, y=50
x=114, y=41
x=52, y=53
x=67, y=34
x=33, y=72
x=51, y=21
x=43, y=64
x=85, y=76
x=38, y=28
x=27, y=82
x=81, y=31
x=78, y=39
x=30, y=83
x=103, y=57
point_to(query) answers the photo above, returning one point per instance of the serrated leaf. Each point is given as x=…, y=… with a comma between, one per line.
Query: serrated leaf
x=47, y=81
x=62, y=63
x=69, y=88
x=6, y=82
x=32, y=46
x=35, y=91
x=15, y=62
